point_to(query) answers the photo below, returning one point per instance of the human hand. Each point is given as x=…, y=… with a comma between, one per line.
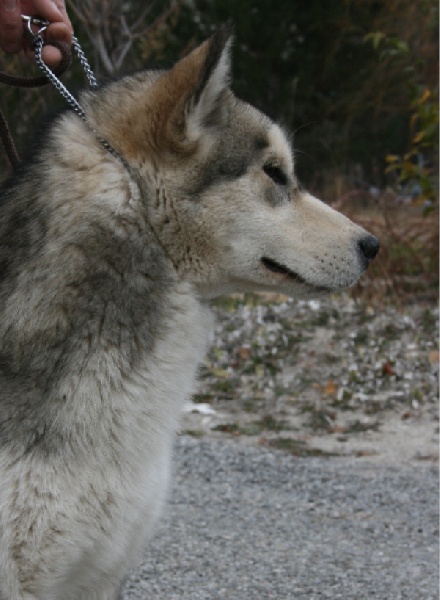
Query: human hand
x=11, y=26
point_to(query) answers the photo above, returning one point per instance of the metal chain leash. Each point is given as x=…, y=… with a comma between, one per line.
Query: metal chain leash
x=37, y=42
x=19, y=81
x=84, y=63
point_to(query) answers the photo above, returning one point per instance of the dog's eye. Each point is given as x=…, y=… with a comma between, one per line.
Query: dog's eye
x=276, y=174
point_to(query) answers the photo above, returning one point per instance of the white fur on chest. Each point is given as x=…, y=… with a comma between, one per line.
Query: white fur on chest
x=150, y=404
x=154, y=395
x=99, y=500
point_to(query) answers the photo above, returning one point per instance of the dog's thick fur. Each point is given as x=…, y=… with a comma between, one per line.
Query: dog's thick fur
x=106, y=267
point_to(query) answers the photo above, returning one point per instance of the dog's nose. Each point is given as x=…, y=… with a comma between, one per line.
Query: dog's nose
x=369, y=246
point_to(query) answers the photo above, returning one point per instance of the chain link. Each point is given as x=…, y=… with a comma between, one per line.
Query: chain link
x=84, y=63
x=60, y=87
x=38, y=43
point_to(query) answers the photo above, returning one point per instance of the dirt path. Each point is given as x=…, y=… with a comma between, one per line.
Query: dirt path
x=329, y=377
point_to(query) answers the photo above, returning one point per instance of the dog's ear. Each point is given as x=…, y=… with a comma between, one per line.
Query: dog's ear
x=190, y=95
x=172, y=111
x=204, y=105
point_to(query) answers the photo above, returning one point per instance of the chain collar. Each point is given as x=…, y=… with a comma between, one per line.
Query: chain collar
x=37, y=42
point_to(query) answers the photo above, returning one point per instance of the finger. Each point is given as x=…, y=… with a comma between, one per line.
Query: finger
x=59, y=32
x=54, y=11
x=51, y=56
x=11, y=26
x=62, y=8
x=55, y=32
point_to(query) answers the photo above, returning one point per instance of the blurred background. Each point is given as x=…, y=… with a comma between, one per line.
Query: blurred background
x=355, y=81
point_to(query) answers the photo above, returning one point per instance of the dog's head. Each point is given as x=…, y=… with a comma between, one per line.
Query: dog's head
x=220, y=182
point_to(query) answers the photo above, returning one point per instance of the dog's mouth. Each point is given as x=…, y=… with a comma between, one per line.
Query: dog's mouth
x=276, y=267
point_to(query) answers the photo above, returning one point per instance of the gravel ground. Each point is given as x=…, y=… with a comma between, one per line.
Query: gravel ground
x=248, y=522
x=312, y=467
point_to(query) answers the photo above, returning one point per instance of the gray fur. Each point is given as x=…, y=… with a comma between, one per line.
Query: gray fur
x=105, y=272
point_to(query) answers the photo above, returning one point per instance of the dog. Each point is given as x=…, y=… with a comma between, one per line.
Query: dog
x=108, y=262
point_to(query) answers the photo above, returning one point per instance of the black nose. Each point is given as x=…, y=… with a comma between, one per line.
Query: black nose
x=369, y=246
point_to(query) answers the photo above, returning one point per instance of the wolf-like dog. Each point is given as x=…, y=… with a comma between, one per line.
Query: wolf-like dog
x=108, y=261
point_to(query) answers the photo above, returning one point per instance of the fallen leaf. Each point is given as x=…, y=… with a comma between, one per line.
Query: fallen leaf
x=434, y=357
x=387, y=368
x=337, y=429
x=330, y=388
x=361, y=453
x=244, y=353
